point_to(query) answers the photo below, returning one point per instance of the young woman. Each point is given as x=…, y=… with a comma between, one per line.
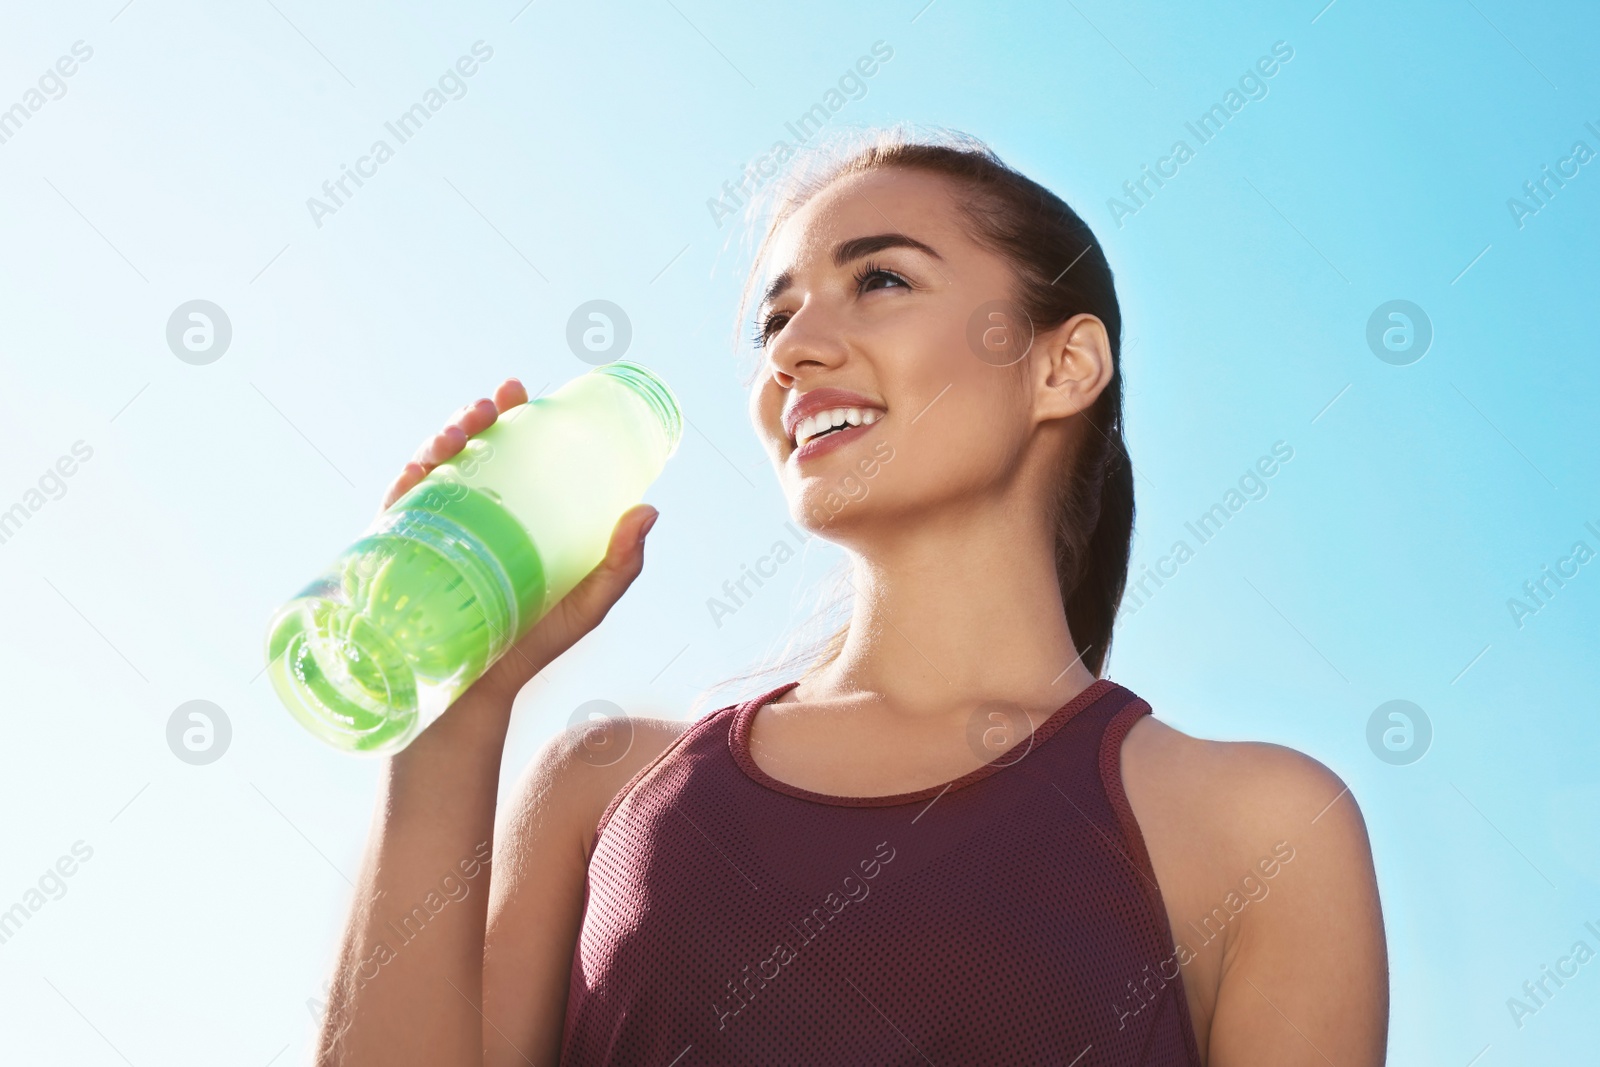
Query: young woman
x=950, y=841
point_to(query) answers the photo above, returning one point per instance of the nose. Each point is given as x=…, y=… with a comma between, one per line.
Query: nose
x=810, y=341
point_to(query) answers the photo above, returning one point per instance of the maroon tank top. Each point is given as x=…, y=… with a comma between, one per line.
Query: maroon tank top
x=1009, y=916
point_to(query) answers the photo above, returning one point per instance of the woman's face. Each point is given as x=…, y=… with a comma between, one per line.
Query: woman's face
x=875, y=288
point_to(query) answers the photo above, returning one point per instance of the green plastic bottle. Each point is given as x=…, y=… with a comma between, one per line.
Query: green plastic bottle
x=464, y=564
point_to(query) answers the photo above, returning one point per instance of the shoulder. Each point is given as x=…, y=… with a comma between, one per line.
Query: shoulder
x=1262, y=856
x=1237, y=791
x=575, y=775
x=568, y=784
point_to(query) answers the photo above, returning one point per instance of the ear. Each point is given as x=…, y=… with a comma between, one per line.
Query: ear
x=1070, y=366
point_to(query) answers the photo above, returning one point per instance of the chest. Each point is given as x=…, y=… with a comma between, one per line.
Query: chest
x=999, y=922
x=875, y=753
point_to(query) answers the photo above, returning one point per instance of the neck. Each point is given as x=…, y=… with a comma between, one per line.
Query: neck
x=955, y=609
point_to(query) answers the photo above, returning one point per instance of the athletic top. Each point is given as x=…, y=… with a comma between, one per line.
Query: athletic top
x=1009, y=916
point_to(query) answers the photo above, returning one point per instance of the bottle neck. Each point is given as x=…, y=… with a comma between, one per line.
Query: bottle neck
x=654, y=392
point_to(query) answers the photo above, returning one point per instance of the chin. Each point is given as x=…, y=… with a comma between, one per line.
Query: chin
x=839, y=488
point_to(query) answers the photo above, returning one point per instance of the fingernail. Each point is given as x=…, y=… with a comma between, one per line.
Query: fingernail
x=645, y=529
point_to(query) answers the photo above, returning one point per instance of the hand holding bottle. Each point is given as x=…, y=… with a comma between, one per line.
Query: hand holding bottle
x=507, y=538
x=575, y=614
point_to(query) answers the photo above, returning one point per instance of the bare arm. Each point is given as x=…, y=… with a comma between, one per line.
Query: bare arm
x=409, y=978
x=541, y=863
x=1307, y=980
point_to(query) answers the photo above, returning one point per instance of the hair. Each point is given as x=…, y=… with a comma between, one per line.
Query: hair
x=1060, y=271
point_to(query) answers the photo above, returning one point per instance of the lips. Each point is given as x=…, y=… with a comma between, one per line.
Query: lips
x=818, y=400
x=820, y=446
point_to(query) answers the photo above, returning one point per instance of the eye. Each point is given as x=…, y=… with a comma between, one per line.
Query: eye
x=767, y=327
x=870, y=271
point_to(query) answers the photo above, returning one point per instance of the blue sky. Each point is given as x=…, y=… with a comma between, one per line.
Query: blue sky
x=575, y=163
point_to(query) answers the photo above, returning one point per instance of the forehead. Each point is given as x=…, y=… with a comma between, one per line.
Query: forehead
x=888, y=199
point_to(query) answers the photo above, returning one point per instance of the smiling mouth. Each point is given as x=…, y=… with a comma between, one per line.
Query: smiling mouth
x=820, y=434
x=833, y=421
x=814, y=445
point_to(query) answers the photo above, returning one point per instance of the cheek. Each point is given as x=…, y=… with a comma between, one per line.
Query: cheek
x=964, y=449
x=926, y=340
x=763, y=408
x=978, y=430
x=962, y=446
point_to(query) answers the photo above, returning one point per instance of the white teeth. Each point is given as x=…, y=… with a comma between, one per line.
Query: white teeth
x=823, y=421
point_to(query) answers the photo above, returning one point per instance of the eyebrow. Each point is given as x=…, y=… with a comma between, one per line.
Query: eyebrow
x=848, y=251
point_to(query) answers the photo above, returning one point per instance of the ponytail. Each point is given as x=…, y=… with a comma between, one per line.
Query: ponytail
x=1094, y=530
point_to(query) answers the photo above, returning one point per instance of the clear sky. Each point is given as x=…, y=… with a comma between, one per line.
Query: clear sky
x=169, y=504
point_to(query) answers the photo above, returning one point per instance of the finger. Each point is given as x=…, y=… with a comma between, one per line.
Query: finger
x=510, y=394
x=634, y=527
x=441, y=446
x=582, y=609
x=477, y=417
x=403, y=484
x=624, y=559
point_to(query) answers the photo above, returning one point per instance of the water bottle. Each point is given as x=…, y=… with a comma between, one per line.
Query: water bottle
x=460, y=567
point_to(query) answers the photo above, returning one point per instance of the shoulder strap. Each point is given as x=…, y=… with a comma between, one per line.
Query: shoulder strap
x=1116, y=731
x=694, y=730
